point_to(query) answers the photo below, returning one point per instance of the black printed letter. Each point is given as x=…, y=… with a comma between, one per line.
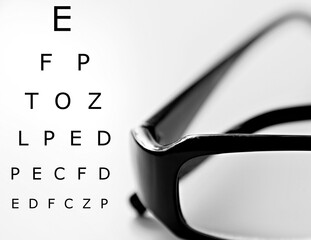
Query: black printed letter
x=56, y=17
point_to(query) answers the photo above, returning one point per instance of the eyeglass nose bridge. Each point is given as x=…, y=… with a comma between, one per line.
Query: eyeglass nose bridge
x=137, y=204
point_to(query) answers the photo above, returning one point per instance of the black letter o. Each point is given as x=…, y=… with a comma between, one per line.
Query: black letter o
x=68, y=100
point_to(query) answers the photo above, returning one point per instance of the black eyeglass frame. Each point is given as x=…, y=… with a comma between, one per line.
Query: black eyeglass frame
x=158, y=156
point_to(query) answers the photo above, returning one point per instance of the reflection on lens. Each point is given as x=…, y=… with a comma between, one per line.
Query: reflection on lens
x=248, y=195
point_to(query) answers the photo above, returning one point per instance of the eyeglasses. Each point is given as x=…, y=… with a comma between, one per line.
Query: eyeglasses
x=164, y=160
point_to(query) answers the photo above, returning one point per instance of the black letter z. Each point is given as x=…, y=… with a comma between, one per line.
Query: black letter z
x=97, y=96
x=87, y=201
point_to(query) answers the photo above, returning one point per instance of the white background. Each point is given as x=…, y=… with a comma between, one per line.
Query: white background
x=142, y=53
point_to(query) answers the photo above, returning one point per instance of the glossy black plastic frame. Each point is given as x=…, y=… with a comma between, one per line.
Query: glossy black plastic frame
x=159, y=150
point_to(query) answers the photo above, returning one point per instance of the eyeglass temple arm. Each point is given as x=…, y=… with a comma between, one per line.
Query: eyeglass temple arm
x=168, y=124
x=257, y=123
